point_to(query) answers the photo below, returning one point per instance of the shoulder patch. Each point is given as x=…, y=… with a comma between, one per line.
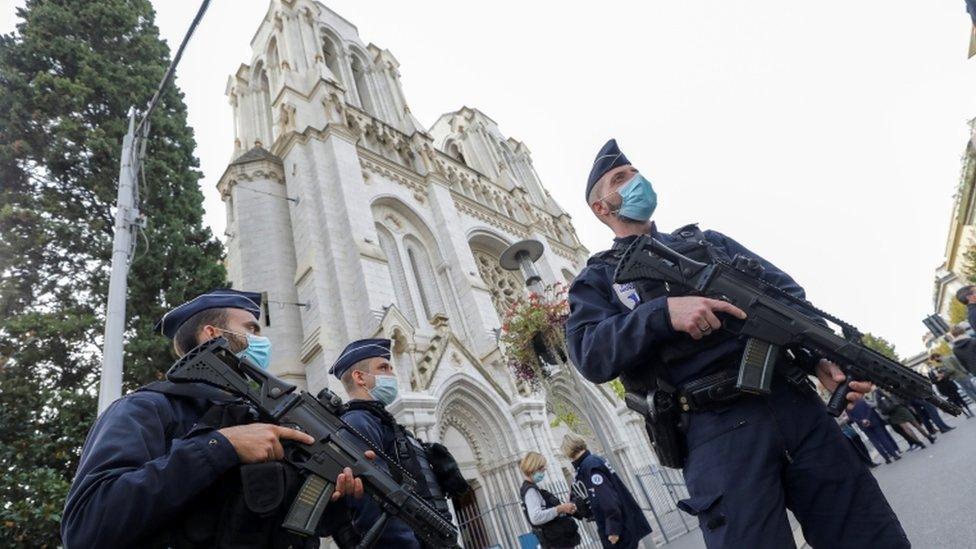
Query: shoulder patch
x=596, y=479
x=627, y=294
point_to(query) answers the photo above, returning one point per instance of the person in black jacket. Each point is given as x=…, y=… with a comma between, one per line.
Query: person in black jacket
x=170, y=466
x=964, y=348
x=948, y=389
x=548, y=517
x=619, y=519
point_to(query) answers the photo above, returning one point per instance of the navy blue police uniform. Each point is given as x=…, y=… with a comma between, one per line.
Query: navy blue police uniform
x=751, y=458
x=365, y=511
x=154, y=470
x=615, y=510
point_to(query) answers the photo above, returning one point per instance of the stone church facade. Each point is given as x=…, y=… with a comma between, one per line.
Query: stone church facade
x=360, y=222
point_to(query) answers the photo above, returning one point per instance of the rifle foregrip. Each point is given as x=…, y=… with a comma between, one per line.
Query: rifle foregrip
x=838, y=400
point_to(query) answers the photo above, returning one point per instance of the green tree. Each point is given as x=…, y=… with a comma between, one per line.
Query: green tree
x=68, y=74
x=880, y=345
x=957, y=312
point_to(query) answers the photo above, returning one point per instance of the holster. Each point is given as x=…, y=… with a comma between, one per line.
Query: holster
x=659, y=407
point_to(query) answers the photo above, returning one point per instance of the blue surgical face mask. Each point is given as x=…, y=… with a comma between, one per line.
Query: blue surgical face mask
x=385, y=389
x=258, y=349
x=638, y=199
x=538, y=476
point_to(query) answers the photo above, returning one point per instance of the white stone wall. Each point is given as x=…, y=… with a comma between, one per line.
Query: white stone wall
x=347, y=148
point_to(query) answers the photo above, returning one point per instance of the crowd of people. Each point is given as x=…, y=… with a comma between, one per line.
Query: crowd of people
x=914, y=420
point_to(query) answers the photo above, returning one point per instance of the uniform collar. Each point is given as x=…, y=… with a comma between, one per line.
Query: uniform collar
x=579, y=460
x=626, y=240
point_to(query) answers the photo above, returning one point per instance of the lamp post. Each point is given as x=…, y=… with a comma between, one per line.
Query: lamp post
x=522, y=256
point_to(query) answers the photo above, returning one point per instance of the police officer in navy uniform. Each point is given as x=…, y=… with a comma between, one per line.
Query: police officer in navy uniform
x=370, y=382
x=619, y=518
x=747, y=458
x=163, y=466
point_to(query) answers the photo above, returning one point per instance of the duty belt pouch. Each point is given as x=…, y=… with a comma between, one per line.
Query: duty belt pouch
x=263, y=486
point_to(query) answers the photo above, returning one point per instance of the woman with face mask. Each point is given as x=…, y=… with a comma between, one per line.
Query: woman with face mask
x=547, y=516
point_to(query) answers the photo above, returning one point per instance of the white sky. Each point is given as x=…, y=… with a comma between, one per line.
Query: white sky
x=825, y=136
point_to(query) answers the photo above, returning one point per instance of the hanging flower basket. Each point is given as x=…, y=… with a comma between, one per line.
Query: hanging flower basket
x=533, y=335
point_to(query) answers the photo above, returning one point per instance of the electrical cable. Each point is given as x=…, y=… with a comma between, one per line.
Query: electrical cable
x=288, y=198
x=172, y=66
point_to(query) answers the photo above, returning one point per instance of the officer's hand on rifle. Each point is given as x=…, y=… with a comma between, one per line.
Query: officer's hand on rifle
x=613, y=539
x=260, y=442
x=830, y=375
x=567, y=508
x=348, y=485
x=695, y=316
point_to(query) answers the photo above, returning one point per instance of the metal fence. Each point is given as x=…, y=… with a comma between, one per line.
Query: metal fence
x=661, y=489
x=656, y=489
x=502, y=524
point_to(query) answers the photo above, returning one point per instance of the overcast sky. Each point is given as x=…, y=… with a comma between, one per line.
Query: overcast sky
x=825, y=136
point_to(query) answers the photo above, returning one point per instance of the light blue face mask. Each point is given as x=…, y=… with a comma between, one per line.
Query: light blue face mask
x=385, y=389
x=258, y=349
x=638, y=199
x=538, y=476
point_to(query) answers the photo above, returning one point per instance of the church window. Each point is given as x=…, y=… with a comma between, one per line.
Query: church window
x=504, y=286
x=331, y=56
x=362, y=84
x=267, y=134
x=423, y=274
x=400, y=287
x=454, y=151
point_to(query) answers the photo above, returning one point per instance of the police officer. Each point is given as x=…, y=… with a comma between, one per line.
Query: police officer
x=367, y=375
x=619, y=519
x=747, y=457
x=163, y=466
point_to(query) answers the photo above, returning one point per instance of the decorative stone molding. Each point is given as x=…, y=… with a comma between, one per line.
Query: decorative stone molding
x=504, y=286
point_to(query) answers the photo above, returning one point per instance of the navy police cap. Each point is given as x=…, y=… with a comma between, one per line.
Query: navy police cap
x=221, y=298
x=360, y=350
x=607, y=159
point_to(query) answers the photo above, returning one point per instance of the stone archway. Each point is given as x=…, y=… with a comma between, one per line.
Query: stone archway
x=475, y=425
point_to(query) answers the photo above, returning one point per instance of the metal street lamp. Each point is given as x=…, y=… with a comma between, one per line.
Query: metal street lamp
x=522, y=256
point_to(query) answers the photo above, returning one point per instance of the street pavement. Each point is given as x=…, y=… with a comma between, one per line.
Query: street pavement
x=933, y=491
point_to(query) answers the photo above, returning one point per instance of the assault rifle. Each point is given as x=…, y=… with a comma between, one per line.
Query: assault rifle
x=775, y=319
x=336, y=446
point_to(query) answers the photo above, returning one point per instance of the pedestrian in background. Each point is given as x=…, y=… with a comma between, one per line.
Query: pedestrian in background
x=548, y=517
x=928, y=414
x=955, y=372
x=619, y=519
x=874, y=427
x=901, y=419
x=948, y=389
x=964, y=347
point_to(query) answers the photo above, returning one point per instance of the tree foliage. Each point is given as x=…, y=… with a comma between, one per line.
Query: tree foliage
x=880, y=345
x=68, y=75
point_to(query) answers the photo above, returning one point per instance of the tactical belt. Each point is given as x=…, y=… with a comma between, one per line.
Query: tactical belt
x=709, y=391
x=718, y=389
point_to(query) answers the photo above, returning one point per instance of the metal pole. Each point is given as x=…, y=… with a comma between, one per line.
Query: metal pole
x=126, y=218
x=127, y=222
x=534, y=282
